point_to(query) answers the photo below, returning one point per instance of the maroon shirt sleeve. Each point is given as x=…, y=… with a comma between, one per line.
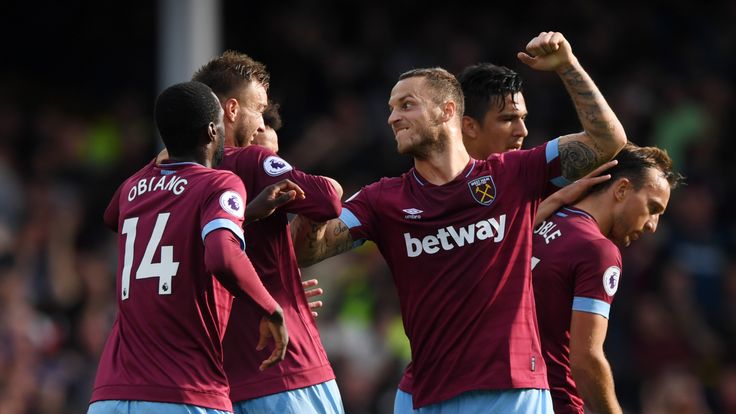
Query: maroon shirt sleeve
x=260, y=167
x=227, y=261
x=112, y=212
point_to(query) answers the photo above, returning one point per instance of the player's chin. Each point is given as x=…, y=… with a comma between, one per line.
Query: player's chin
x=403, y=148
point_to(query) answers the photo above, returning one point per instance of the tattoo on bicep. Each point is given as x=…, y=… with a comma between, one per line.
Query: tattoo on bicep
x=577, y=159
x=343, y=241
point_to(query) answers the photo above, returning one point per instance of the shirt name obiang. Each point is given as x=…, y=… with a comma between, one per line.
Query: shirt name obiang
x=447, y=238
x=175, y=184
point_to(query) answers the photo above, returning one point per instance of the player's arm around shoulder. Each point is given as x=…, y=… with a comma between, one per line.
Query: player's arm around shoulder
x=316, y=241
x=572, y=193
x=603, y=135
x=322, y=199
x=335, y=196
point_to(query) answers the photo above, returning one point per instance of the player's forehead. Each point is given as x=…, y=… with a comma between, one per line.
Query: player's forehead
x=254, y=93
x=409, y=88
x=513, y=104
x=656, y=188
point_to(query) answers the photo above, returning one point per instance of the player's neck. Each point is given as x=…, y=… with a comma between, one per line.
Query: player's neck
x=201, y=159
x=442, y=167
x=230, y=140
x=599, y=210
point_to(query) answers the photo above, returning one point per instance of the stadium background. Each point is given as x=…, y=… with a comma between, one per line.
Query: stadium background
x=77, y=84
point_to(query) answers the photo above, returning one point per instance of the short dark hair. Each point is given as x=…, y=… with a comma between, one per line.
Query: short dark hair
x=633, y=162
x=485, y=84
x=444, y=84
x=271, y=116
x=183, y=112
x=229, y=72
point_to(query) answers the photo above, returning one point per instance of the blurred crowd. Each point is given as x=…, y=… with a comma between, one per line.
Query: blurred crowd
x=666, y=71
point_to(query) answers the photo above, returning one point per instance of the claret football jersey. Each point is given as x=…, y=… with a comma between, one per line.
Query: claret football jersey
x=460, y=257
x=575, y=268
x=165, y=343
x=268, y=245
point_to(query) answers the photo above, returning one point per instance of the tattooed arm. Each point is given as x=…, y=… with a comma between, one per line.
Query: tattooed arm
x=603, y=135
x=316, y=241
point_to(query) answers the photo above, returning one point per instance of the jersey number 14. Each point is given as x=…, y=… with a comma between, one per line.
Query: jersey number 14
x=164, y=270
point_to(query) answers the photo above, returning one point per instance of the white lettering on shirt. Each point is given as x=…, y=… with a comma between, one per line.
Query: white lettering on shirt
x=548, y=230
x=447, y=238
x=172, y=183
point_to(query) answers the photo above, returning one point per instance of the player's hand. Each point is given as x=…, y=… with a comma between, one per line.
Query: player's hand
x=273, y=327
x=271, y=198
x=572, y=193
x=311, y=293
x=549, y=51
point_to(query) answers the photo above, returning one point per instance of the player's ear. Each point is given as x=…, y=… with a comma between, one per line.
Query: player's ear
x=232, y=109
x=470, y=127
x=621, y=188
x=212, y=132
x=448, y=110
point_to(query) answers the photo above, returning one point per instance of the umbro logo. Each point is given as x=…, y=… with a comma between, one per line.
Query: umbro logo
x=412, y=213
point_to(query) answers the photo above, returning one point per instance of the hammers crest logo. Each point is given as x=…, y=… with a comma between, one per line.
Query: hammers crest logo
x=483, y=190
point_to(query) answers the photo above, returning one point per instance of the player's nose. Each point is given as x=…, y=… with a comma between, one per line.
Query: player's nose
x=393, y=117
x=651, y=224
x=520, y=129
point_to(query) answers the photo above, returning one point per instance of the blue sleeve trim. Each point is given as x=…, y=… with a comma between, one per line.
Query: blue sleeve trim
x=222, y=223
x=552, y=150
x=561, y=181
x=591, y=306
x=349, y=218
x=351, y=221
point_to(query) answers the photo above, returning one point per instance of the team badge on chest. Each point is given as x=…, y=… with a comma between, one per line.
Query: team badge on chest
x=483, y=190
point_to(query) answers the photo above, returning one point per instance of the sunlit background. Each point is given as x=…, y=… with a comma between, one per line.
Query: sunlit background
x=77, y=84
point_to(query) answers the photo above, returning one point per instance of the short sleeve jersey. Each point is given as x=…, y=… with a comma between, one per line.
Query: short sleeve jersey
x=460, y=257
x=165, y=343
x=575, y=268
x=270, y=250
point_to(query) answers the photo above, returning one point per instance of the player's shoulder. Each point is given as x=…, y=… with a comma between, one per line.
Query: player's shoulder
x=209, y=180
x=599, y=248
x=517, y=156
x=251, y=152
x=386, y=188
x=224, y=177
x=388, y=184
x=257, y=159
x=145, y=170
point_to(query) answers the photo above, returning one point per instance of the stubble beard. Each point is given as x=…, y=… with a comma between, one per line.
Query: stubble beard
x=220, y=150
x=432, y=141
x=241, y=138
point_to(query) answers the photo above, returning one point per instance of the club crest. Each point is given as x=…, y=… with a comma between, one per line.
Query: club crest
x=483, y=190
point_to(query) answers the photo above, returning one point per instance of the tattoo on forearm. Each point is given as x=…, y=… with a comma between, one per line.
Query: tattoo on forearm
x=593, y=111
x=323, y=239
x=343, y=241
x=577, y=159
